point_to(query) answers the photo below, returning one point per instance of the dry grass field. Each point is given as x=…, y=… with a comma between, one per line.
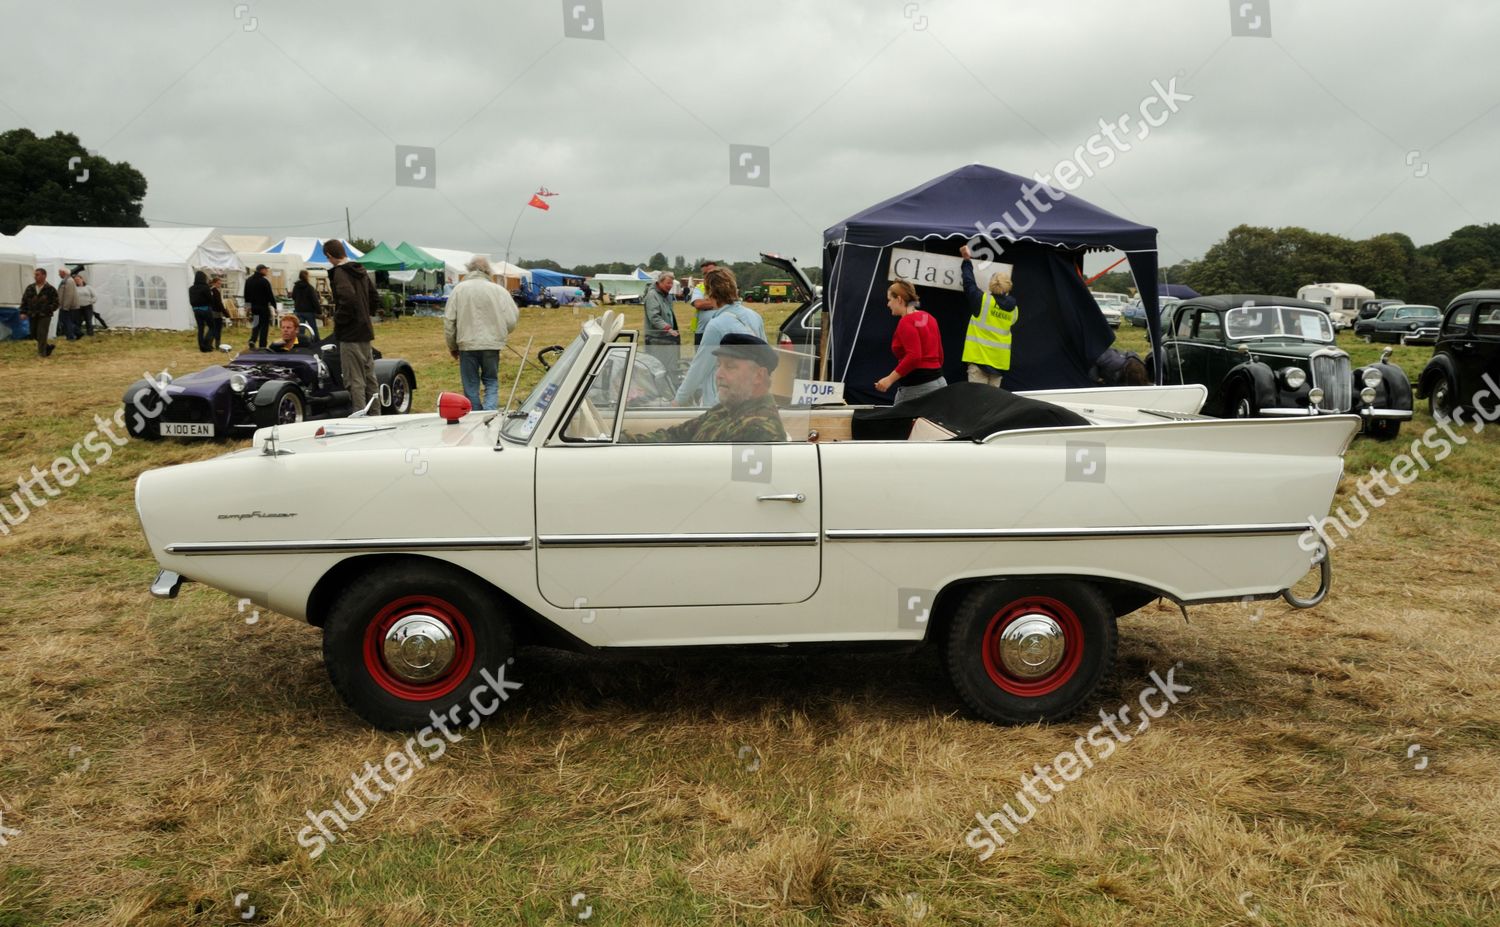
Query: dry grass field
x=157, y=758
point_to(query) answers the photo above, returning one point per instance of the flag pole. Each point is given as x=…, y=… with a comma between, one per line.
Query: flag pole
x=513, y=225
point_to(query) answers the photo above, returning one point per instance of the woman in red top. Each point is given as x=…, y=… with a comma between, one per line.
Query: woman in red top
x=918, y=346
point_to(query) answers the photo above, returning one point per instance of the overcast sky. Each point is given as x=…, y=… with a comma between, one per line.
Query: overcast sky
x=1347, y=116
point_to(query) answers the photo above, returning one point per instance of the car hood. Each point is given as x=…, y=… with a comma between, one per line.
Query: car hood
x=1298, y=350
x=804, y=285
x=377, y=433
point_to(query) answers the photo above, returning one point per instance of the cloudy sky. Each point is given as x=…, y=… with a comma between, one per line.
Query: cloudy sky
x=1346, y=116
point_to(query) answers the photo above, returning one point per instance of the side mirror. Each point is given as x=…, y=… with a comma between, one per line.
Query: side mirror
x=227, y=348
x=328, y=347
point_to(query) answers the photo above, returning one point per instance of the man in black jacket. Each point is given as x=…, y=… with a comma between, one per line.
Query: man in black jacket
x=260, y=298
x=38, y=303
x=354, y=300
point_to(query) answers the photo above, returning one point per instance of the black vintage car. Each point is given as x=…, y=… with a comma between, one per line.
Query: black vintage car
x=257, y=389
x=1401, y=324
x=1467, y=352
x=1270, y=355
x=802, y=329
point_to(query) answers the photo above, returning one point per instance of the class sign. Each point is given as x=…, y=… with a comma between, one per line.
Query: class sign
x=816, y=392
x=921, y=268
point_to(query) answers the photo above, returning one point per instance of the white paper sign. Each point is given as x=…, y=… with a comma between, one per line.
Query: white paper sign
x=919, y=268
x=816, y=392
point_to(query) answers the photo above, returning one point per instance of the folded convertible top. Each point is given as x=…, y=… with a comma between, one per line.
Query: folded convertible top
x=972, y=411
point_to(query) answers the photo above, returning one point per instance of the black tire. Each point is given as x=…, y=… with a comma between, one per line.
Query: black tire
x=983, y=678
x=1383, y=429
x=1369, y=339
x=1240, y=402
x=353, y=645
x=143, y=414
x=1442, y=399
x=400, y=393
x=286, y=407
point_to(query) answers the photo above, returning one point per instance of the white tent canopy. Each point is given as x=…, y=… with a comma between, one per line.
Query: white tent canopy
x=140, y=275
x=454, y=262
x=310, y=250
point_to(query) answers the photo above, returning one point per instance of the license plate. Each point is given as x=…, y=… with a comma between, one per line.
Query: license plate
x=187, y=429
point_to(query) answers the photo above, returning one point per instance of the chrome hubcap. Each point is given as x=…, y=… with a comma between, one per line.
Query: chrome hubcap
x=419, y=648
x=1031, y=646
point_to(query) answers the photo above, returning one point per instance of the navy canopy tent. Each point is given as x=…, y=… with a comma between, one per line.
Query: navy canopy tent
x=1042, y=233
x=1176, y=290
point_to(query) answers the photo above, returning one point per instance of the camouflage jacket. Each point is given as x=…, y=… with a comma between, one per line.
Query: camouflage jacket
x=754, y=421
x=39, y=302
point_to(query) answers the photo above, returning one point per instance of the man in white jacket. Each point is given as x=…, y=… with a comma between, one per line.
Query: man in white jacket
x=479, y=318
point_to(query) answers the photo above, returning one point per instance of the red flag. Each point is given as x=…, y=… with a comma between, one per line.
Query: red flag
x=538, y=202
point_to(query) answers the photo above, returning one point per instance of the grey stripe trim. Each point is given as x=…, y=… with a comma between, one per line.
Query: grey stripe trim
x=800, y=539
x=1060, y=534
x=201, y=548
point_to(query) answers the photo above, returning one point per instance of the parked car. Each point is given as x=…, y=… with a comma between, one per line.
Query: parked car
x=1273, y=356
x=1135, y=313
x=1393, y=324
x=801, y=330
x=541, y=524
x=1112, y=311
x=1467, y=351
x=1370, y=308
x=257, y=389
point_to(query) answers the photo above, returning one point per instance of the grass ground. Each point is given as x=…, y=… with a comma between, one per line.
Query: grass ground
x=157, y=758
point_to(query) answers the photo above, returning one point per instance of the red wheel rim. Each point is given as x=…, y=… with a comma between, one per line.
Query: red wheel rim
x=450, y=617
x=1072, y=640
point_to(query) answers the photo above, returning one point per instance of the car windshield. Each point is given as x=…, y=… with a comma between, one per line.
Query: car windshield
x=520, y=423
x=1418, y=312
x=1248, y=322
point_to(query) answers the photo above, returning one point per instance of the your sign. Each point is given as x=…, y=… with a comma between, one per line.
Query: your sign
x=816, y=392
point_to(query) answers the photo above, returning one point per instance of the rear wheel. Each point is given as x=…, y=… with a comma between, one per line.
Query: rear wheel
x=404, y=642
x=400, y=394
x=1021, y=651
x=1441, y=401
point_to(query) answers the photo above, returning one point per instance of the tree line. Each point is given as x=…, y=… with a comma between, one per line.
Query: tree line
x=1255, y=259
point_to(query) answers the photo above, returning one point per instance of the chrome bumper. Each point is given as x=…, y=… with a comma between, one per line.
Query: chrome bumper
x=1366, y=412
x=1400, y=414
x=166, y=585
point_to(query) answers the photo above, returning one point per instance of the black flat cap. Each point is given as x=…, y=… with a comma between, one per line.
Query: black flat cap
x=748, y=347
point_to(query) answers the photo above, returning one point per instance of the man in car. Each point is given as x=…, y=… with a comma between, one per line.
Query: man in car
x=291, y=337
x=746, y=413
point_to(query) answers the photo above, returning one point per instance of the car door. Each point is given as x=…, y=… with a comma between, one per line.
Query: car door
x=1179, y=349
x=1213, y=360
x=1482, y=354
x=652, y=525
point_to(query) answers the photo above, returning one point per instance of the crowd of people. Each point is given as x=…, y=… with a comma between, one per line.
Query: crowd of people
x=71, y=300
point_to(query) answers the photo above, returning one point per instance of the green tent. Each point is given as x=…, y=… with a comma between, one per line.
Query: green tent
x=384, y=257
x=416, y=258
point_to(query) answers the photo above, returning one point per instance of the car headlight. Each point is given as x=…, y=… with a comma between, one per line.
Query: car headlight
x=1315, y=396
x=1294, y=377
x=1367, y=395
x=238, y=382
x=1372, y=377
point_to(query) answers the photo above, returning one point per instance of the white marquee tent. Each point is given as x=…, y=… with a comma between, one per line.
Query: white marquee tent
x=454, y=262
x=140, y=275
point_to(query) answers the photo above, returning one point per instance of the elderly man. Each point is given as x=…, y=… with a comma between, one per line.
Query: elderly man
x=662, y=337
x=746, y=413
x=476, y=323
x=37, y=304
x=67, y=305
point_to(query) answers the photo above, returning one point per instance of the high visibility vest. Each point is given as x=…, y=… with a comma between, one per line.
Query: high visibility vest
x=987, y=341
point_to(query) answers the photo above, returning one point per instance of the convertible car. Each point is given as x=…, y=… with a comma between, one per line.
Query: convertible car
x=1274, y=356
x=1028, y=525
x=256, y=389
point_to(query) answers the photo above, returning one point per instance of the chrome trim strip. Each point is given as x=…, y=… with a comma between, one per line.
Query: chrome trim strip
x=1059, y=534
x=202, y=548
x=759, y=539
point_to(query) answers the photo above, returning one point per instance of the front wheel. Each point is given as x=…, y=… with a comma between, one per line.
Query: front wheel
x=1022, y=651
x=400, y=394
x=285, y=408
x=408, y=642
x=1242, y=403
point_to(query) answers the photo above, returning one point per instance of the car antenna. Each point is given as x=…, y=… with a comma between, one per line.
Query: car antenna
x=525, y=354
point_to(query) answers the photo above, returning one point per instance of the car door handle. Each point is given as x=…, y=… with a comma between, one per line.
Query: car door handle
x=783, y=497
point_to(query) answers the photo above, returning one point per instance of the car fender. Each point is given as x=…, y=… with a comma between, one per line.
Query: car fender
x=386, y=367
x=1438, y=365
x=1394, y=391
x=268, y=390
x=1261, y=380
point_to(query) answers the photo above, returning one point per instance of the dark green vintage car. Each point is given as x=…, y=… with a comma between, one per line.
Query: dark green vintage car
x=1270, y=355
